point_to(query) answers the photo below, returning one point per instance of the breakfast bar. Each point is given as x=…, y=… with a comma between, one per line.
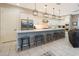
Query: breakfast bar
x=31, y=38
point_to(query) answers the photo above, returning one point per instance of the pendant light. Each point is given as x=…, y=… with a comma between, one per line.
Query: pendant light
x=45, y=21
x=53, y=16
x=46, y=14
x=35, y=12
x=59, y=17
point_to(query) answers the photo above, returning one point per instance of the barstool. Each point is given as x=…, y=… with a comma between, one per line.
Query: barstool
x=55, y=36
x=58, y=35
x=48, y=37
x=39, y=40
x=62, y=34
x=32, y=42
x=24, y=42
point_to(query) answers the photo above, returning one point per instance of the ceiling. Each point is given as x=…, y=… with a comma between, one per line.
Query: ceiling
x=65, y=8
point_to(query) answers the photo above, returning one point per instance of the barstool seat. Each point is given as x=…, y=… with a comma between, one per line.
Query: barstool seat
x=55, y=36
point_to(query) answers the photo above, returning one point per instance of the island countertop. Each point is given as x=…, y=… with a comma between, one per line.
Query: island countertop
x=37, y=30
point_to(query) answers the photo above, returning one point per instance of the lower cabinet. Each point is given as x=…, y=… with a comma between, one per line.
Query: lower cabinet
x=74, y=38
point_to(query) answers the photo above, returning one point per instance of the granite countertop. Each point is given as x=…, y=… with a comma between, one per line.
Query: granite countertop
x=37, y=30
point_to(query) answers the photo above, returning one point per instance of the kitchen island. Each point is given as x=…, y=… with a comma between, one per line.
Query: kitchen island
x=36, y=37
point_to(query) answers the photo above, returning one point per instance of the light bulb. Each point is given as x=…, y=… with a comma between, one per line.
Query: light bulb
x=53, y=16
x=35, y=12
x=45, y=15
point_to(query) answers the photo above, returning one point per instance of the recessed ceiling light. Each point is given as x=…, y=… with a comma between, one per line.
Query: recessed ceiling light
x=58, y=3
x=17, y=4
x=78, y=5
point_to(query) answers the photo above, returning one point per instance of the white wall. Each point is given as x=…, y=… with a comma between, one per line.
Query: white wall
x=56, y=22
x=68, y=21
x=0, y=25
x=78, y=24
x=9, y=20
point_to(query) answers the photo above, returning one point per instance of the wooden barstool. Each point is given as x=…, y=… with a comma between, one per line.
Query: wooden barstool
x=39, y=40
x=48, y=38
x=24, y=42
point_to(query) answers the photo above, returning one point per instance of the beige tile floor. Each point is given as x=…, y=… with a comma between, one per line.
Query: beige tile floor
x=60, y=47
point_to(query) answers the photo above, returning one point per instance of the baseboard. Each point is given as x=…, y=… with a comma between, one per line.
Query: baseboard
x=9, y=41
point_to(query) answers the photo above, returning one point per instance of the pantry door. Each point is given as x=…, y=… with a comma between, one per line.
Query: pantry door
x=9, y=18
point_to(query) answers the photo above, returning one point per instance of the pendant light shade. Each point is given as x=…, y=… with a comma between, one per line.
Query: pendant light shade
x=35, y=12
x=45, y=21
x=46, y=14
x=59, y=17
x=53, y=16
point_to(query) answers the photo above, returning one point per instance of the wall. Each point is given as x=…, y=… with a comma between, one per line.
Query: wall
x=78, y=23
x=68, y=21
x=9, y=20
x=0, y=25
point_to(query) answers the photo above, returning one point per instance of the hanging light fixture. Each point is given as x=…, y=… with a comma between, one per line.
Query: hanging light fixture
x=58, y=4
x=59, y=17
x=45, y=21
x=53, y=16
x=35, y=12
x=46, y=14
